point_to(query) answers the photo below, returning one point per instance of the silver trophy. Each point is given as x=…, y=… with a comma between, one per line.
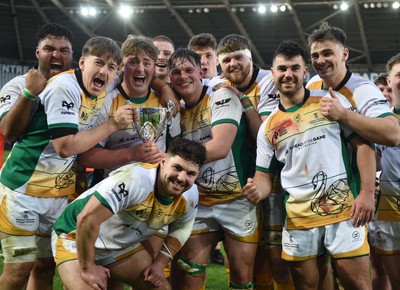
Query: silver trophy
x=150, y=122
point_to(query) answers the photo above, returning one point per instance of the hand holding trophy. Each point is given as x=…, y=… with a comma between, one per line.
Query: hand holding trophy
x=150, y=122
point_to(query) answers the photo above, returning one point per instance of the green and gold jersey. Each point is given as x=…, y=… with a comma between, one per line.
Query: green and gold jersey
x=33, y=167
x=316, y=177
x=138, y=211
x=221, y=180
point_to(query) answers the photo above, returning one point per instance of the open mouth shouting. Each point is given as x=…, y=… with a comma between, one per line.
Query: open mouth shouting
x=55, y=67
x=139, y=80
x=98, y=84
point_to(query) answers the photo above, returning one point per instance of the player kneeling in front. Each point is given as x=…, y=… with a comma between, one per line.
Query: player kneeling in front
x=98, y=235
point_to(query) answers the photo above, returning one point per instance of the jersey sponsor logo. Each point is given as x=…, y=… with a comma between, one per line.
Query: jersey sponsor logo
x=280, y=132
x=248, y=224
x=317, y=119
x=25, y=219
x=356, y=236
x=291, y=243
x=159, y=212
x=306, y=143
x=223, y=102
x=4, y=99
x=120, y=192
x=205, y=137
x=133, y=138
x=67, y=105
x=84, y=116
x=273, y=96
x=144, y=214
x=380, y=102
x=138, y=231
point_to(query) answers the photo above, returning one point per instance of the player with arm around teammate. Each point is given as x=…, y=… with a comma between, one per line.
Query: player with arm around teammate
x=323, y=210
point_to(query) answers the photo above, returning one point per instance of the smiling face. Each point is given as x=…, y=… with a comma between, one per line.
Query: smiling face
x=237, y=68
x=176, y=176
x=329, y=61
x=165, y=50
x=209, y=62
x=138, y=73
x=186, y=80
x=97, y=73
x=289, y=75
x=54, y=55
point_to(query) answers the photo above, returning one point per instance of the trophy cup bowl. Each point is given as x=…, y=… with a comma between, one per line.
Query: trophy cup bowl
x=150, y=122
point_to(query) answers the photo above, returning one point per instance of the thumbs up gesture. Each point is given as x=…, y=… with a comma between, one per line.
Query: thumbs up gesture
x=331, y=107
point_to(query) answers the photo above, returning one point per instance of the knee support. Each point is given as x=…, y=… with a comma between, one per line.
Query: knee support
x=233, y=286
x=19, y=249
x=189, y=268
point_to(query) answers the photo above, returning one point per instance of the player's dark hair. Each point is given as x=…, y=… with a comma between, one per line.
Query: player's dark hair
x=181, y=55
x=326, y=32
x=288, y=49
x=381, y=80
x=189, y=150
x=232, y=43
x=102, y=46
x=202, y=41
x=54, y=29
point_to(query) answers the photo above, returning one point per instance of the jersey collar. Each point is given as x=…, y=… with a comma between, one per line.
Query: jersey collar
x=78, y=75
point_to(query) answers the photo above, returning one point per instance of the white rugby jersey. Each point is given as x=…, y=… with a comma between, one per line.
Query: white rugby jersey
x=128, y=137
x=389, y=181
x=33, y=167
x=363, y=95
x=138, y=212
x=316, y=176
x=10, y=93
x=221, y=180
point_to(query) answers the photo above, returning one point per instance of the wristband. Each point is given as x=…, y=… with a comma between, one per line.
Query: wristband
x=246, y=103
x=27, y=94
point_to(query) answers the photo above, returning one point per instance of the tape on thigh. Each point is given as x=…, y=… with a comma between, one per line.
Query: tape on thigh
x=19, y=249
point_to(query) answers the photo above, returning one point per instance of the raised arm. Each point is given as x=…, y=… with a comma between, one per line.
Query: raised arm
x=14, y=123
